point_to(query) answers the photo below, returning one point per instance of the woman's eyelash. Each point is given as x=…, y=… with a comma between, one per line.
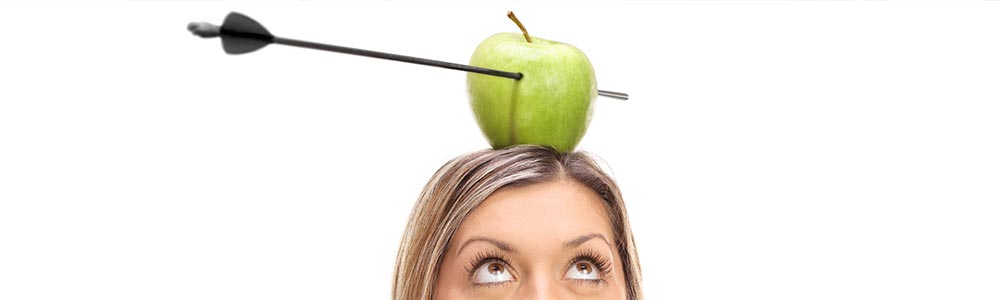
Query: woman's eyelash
x=483, y=258
x=602, y=263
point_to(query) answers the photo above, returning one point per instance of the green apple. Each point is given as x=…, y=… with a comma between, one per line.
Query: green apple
x=549, y=106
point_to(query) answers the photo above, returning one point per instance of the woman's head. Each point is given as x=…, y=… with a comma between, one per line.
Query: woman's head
x=518, y=222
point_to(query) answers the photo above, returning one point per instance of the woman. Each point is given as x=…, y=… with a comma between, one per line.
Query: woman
x=523, y=222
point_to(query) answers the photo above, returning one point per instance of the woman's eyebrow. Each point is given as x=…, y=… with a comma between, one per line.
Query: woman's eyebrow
x=506, y=247
x=583, y=239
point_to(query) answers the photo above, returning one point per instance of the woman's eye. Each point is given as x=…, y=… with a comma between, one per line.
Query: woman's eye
x=492, y=272
x=583, y=270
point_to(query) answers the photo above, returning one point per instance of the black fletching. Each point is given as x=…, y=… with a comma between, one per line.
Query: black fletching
x=241, y=34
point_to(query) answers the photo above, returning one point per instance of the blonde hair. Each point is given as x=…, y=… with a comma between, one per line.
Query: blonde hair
x=465, y=182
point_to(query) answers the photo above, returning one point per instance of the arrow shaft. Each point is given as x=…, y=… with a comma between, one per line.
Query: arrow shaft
x=395, y=57
x=610, y=94
x=417, y=60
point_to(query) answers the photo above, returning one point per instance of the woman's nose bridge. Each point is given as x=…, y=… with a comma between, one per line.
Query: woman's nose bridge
x=542, y=287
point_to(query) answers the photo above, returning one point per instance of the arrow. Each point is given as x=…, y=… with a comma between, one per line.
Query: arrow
x=241, y=34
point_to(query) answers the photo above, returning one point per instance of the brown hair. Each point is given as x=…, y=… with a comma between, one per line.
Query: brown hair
x=466, y=181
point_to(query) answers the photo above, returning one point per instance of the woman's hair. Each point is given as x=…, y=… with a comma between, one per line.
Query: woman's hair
x=466, y=181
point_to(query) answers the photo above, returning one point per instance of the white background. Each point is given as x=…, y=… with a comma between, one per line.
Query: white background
x=771, y=150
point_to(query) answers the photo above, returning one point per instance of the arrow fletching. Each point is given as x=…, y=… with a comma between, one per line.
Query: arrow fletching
x=241, y=34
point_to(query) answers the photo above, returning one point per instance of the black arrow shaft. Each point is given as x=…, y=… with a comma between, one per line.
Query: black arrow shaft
x=395, y=57
x=416, y=60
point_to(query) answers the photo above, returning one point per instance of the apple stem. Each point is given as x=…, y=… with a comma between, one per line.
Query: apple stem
x=510, y=14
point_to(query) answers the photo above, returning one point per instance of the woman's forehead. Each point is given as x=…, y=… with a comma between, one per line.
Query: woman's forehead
x=554, y=211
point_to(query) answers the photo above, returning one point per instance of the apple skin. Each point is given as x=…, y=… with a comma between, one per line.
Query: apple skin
x=549, y=106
